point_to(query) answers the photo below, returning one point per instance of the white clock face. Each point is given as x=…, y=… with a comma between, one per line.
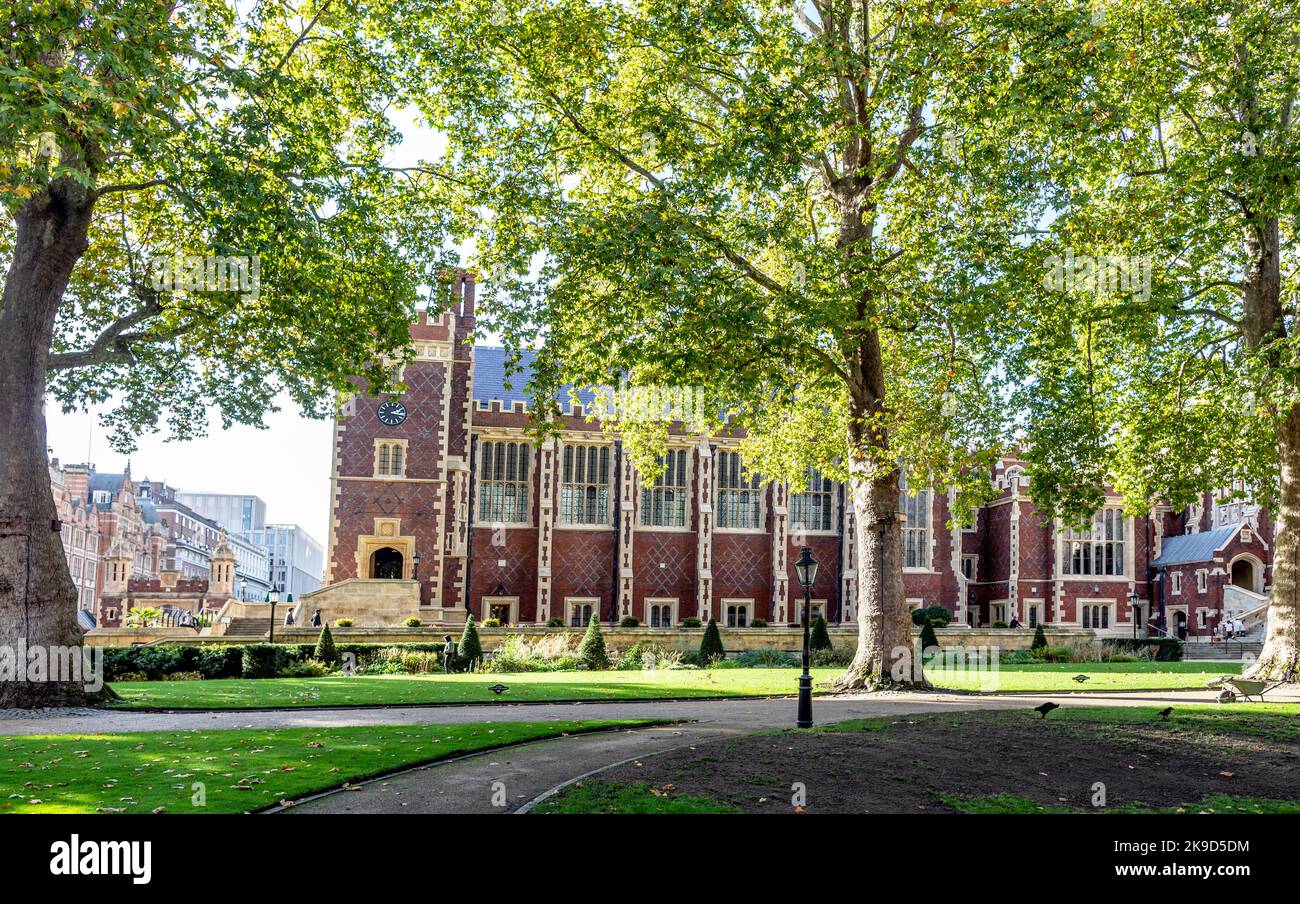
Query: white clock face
x=391, y=413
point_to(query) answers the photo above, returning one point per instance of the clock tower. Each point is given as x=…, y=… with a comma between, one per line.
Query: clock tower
x=399, y=485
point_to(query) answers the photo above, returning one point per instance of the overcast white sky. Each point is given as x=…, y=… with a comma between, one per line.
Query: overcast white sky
x=287, y=464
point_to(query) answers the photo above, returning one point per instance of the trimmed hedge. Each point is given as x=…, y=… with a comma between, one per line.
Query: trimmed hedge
x=227, y=660
x=266, y=660
x=153, y=661
x=1167, y=649
x=221, y=662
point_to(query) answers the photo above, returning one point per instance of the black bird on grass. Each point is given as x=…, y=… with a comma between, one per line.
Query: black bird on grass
x=498, y=689
x=1046, y=708
x=1164, y=713
x=1081, y=678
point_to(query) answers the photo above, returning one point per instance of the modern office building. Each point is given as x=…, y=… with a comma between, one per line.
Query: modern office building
x=297, y=560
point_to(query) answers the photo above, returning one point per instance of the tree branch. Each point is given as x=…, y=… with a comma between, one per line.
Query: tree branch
x=113, y=345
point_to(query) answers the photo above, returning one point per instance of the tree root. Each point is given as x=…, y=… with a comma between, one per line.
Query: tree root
x=858, y=682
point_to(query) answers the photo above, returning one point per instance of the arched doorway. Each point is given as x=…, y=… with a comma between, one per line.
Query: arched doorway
x=1246, y=574
x=1180, y=624
x=386, y=564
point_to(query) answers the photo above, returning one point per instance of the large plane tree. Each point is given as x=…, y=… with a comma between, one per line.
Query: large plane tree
x=142, y=131
x=1184, y=166
x=806, y=209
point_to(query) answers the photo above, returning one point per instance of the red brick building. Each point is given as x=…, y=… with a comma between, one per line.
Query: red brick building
x=119, y=526
x=531, y=534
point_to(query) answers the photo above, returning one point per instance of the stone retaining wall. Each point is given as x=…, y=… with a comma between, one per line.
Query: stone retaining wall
x=616, y=638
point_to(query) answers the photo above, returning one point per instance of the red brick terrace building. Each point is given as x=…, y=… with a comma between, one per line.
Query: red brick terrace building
x=530, y=534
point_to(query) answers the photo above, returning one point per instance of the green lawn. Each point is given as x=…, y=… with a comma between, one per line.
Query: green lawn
x=686, y=683
x=239, y=769
x=1102, y=676
x=238, y=693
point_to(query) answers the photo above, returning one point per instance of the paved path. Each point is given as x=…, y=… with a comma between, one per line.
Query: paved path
x=753, y=712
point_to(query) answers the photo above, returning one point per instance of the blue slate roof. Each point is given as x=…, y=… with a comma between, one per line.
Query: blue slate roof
x=490, y=375
x=490, y=378
x=111, y=483
x=1194, y=547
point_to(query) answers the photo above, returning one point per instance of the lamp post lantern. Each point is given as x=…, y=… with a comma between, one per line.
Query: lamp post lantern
x=415, y=567
x=1132, y=611
x=806, y=569
x=272, y=597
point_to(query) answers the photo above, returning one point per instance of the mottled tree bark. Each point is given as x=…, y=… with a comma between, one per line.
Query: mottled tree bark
x=885, y=652
x=1281, y=648
x=1264, y=324
x=37, y=596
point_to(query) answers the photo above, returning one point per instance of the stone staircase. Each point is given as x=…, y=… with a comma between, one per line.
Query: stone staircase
x=1232, y=651
x=248, y=627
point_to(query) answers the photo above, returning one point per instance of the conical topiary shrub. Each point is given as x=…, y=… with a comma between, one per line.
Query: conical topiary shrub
x=711, y=644
x=1040, y=639
x=469, y=652
x=325, y=651
x=592, y=652
x=818, y=637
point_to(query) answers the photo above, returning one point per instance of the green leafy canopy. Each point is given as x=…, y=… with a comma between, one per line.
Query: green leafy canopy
x=211, y=128
x=750, y=197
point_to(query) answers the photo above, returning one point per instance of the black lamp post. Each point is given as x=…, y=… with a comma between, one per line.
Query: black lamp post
x=272, y=597
x=243, y=588
x=415, y=567
x=1132, y=611
x=806, y=569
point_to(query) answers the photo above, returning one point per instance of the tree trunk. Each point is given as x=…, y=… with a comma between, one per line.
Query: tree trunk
x=885, y=656
x=1281, y=647
x=1264, y=324
x=37, y=597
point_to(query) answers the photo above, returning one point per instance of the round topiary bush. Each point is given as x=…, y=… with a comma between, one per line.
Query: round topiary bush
x=630, y=621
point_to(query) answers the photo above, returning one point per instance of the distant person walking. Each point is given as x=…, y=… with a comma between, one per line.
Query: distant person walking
x=315, y=619
x=448, y=654
x=1015, y=622
x=288, y=619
